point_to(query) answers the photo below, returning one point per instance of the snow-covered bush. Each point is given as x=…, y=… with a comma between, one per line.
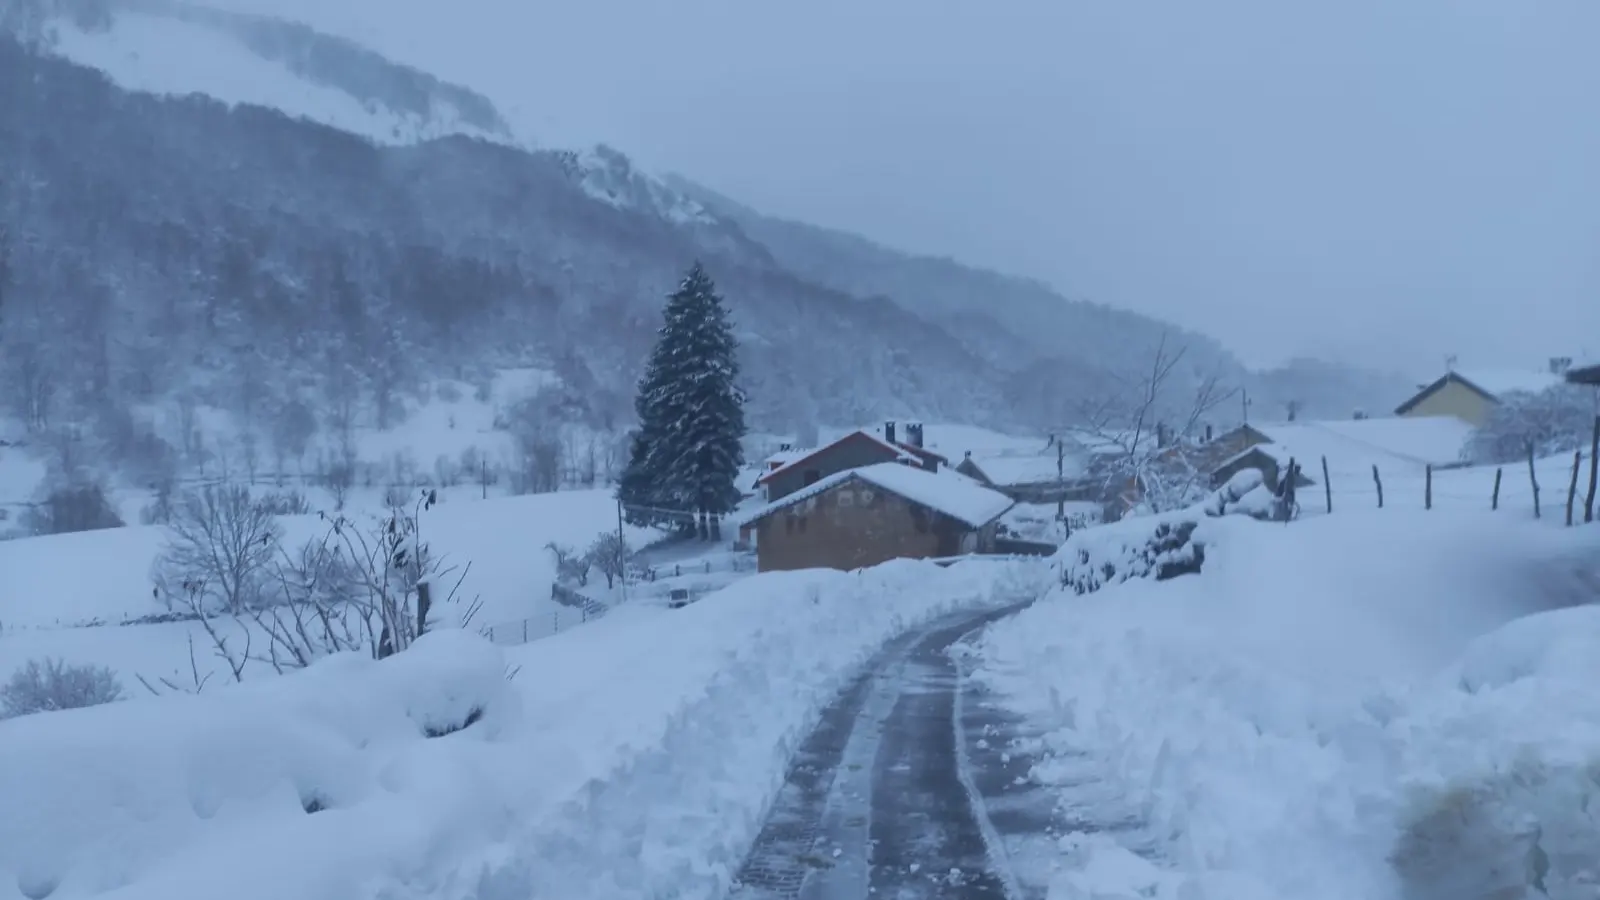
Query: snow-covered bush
x=53, y=684
x=1159, y=547
x=1245, y=494
x=1559, y=419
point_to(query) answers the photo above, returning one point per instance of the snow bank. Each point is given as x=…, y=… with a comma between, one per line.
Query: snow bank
x=633, y=757
x=264, y=781
x=1281, y=720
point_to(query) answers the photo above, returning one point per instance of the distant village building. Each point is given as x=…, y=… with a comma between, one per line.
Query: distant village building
x=1351, y=447
x=864, y=516
x=1585, y=374
x=1473, y=396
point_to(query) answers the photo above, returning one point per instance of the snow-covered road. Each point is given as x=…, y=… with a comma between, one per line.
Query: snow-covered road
x=880, y=800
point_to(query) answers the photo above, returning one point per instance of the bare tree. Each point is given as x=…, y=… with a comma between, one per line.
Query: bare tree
x=610, y=554
x=535, y=428
x=570, y=564
x=220, y=550
x=1150, y=423
x=292, y=430
x=33, y=380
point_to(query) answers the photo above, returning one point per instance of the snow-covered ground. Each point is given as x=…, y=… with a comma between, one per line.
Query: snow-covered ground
x=1370, y=704
x=631, y=758
x=53, y=586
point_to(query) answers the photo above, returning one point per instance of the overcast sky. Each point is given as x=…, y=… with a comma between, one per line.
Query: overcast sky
x=1384, y=181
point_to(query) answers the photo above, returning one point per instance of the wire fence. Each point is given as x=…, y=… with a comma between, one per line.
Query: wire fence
x=1560, y=488
x=533, y=628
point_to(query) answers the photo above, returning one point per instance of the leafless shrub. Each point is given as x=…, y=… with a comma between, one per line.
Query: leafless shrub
x=285, y=503
x=350, y=590
x=54, y=685
x=219, y=553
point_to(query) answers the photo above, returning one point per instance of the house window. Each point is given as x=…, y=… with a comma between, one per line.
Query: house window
x=788, y=524
x=919, y=519
x=812, y=476
x=867, y=497
x=802, y=525
x=846, y=498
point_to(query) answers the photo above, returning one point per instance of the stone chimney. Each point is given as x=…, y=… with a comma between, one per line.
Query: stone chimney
x=888, y=431
x=914, y=434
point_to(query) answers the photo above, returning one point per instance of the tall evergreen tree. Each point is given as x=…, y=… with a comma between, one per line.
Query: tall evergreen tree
x=687, y=452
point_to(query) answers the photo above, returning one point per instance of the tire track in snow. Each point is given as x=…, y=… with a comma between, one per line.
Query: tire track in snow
x=879, y=801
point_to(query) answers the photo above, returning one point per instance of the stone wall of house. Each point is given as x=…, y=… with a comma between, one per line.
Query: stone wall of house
x=854, y=525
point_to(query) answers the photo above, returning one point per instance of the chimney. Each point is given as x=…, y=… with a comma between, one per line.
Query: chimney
x=1163, y=437
x=1208, y=433
x=1560, y=364
x=1360, y=414
x=914, y=434
x=888, y=431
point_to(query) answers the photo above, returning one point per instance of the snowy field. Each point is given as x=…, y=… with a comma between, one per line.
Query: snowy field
x=631, y=758
x=54, y=586
x=1370, y=704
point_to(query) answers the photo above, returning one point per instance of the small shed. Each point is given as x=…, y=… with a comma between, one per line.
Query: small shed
x=866, y=516
x=1264, y=458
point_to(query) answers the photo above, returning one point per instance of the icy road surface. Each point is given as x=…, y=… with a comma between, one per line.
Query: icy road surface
x=883, y=801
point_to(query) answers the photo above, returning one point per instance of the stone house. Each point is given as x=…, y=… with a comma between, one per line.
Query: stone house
x=865, y=516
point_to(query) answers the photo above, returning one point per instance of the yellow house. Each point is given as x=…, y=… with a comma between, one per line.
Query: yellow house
x=1472, y=398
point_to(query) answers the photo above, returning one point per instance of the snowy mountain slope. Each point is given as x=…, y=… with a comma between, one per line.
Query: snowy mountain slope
x=173, y=47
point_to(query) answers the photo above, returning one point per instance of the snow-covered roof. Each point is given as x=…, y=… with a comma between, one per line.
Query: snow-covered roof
x=1027, y=468
x=1508, y=381
x=901, y=453
x=1355, y=445
x=784, y=457
x=945, y=491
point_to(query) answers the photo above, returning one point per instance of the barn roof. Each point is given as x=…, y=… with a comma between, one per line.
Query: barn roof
x=948, y=492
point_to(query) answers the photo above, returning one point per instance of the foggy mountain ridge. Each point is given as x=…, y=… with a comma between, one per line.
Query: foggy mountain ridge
x=180, y=248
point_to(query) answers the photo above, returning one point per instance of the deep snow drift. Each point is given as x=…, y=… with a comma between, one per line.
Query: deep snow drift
x=1335, y=708
x=632, y=757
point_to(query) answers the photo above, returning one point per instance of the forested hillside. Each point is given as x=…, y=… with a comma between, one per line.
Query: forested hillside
x=166, y=253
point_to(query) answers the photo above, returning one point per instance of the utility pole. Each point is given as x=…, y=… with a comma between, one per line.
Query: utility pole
x=1061, y=481
x=622, y=548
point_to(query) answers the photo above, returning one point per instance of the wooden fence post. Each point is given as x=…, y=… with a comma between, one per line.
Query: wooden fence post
x=1594, y=471
x=1494, y=502
x=1533, y=478
x=1327, y=484
x=1379, y=482
x=1572, y=489
x=1427, y=489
